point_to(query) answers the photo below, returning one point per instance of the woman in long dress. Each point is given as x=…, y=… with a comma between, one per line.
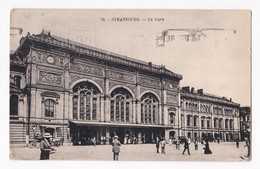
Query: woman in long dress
x=206, y=149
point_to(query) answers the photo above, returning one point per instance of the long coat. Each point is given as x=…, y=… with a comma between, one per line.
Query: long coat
x=45, y=150
x=116, y=146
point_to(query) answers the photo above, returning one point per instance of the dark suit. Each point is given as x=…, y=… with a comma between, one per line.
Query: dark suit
x=186, y=147
x=116, y=148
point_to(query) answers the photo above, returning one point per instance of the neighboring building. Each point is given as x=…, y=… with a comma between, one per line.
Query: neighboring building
x=18, y=99
x=206, y=115
x=245, y=122
x=79, y=93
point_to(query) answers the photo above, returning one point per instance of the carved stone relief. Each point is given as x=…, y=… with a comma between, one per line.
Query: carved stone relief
x=172, y=98
x=87, y=69
x=120, y=76
x=148, y=82
x=49, y=78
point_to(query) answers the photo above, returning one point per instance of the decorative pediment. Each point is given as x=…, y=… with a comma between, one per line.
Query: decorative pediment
x=50, y=94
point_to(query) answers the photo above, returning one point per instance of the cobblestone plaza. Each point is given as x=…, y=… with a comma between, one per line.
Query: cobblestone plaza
x=225, y=151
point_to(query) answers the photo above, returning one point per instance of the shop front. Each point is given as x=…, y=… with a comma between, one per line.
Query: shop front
x=90, y=133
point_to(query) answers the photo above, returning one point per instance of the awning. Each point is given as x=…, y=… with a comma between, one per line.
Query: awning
x=111, y=124
x=51, y=126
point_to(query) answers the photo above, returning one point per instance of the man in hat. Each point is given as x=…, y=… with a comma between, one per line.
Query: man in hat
x=116, y=148
x=45, y=147
x=186, y=147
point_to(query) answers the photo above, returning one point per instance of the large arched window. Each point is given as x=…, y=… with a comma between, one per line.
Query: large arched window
x=120, y=105
x=85, y=104
x=49, y=108
x=149, y=108
x=14, y=105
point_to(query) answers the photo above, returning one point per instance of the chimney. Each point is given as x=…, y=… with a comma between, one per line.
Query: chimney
x=200, y=91
x=186, y=88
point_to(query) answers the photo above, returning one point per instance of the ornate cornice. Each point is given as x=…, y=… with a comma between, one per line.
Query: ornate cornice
x=78, y=49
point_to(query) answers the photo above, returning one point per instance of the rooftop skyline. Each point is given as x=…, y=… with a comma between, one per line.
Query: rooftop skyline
x=218, y=60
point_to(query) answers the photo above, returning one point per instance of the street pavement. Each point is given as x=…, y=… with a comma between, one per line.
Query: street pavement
x=225, y=151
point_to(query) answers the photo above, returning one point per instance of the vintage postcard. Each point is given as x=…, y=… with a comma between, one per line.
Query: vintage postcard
x=130, y=85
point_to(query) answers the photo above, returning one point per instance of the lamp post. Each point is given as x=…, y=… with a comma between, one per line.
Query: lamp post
x=34, y=139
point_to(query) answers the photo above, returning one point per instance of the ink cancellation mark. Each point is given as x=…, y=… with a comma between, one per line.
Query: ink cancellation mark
x=187, y=35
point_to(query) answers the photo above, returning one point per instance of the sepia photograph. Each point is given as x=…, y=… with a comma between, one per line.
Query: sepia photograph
x=130, y=85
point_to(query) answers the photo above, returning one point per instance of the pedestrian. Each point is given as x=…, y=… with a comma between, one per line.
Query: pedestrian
x=45, y=147
x=196, y=144
x=245, y=153
x=94, y=142
x=218, y=140
x=116, y=148
x=189, y=141
x=237, y=143
x=170, y=141
x=157, y=144
x=186, y=147
x=177, y=144
x=206, y=148
x=163, y=143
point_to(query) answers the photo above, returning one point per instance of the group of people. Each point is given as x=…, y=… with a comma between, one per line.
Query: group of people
x=187, y=145
x=47, y=149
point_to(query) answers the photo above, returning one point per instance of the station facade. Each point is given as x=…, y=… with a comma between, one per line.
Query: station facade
x=78, y=93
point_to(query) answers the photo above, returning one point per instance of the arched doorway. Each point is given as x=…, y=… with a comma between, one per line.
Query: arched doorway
x=189, y=134
x=172, y=134
x=49, y=130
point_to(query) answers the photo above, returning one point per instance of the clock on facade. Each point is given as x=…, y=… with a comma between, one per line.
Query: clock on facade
x=50, y=59
x=170, y=86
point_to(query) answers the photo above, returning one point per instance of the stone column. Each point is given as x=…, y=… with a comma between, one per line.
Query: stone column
x=107, y=108
x=179, y=113
x=107, y=136
x=102, y=110
x=160, y=113
x=166, y=115
x=70, y=107
x=134, y=112
x=138, y=104
x=138, y=111
x=166, y=134
x=107, y=100
x=139, y=139
x=199, y=121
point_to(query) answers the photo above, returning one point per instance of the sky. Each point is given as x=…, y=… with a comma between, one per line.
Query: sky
x=217, y=59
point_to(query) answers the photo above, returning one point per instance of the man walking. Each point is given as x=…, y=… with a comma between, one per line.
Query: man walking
x=116, y=148
x=186, y=147
x=157, y=144
x=45, y=147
